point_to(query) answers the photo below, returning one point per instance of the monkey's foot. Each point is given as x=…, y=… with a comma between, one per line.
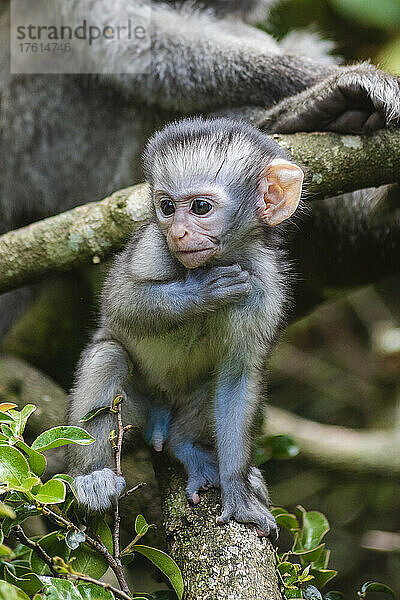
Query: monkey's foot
x=257, y=484
x=245, y=507
x=204, y=476
x=352, y=100
x=99, y=490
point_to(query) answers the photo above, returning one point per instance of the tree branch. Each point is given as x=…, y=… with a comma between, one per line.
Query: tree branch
x=334, y=164
x=228, y=561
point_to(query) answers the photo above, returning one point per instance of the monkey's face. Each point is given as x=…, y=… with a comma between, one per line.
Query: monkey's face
x=192, y=224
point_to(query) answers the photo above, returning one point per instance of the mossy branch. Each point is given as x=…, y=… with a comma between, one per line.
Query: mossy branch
x=92, y=232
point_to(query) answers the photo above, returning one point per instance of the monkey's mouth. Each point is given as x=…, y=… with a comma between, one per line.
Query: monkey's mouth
x=195, y=251
x=195, y=257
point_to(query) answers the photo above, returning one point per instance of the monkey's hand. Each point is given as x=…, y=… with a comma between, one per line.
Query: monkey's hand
x=99, y=490
x=352, y=100
x=220, y=285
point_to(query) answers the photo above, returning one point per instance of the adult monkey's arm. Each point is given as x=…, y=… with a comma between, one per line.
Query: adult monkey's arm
x=198, y=61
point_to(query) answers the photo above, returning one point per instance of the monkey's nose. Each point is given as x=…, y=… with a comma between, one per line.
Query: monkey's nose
x=180, y=233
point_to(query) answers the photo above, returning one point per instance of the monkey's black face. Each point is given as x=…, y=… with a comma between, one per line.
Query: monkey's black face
x=192, y=223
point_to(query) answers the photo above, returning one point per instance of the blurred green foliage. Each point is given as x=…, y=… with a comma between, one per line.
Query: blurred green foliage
x=361, y=29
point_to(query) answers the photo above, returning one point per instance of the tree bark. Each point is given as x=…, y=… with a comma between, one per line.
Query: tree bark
x=218, y=562
x=333, y=163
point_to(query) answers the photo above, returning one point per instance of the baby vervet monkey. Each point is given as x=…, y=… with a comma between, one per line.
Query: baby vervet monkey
x=190, y=312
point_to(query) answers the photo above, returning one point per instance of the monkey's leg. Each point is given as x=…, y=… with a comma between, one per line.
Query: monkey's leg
x=103, y=373
x=200, y=459
x=244, y=494
x=201, y=465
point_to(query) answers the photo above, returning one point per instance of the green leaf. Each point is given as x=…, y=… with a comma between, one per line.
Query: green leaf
x=5, y=418
x=14, y=468
x=22, y=512
x=315, y=526
x=91, y=591
x=93, y=413
x=37, y=461
x=87, y=560
x=74, y=539
x=305, y=575
x=312, y=593
x=292, y=593
x=141, y=525
x=288, y=573
x=5, y=550
x=375, y=586
x=51, y=492
x=287, y=521
x=60, y=589
x=28, y=582
x=54, y=547
x=322, y=576
x=10, y=592
x=8, y=432
x=68, y=480
x=61, y=436
x=278, y=510
x=28, y=484
x=21, y=417
x=164, y=595
x=6, y=511
x=166, y=564
x=309, y=556
x=333, y=595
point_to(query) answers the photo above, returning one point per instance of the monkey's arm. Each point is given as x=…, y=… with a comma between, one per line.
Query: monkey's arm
x=197, y=62
x=102, y=374
x=245, y=497
x=140, y=306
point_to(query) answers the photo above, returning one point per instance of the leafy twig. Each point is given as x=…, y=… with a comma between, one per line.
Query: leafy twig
x=21, y=537
x=97, y=545
x=19, y=533
x=117, y=446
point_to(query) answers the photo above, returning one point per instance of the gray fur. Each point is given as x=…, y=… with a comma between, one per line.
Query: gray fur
x=99, y=488
x=186, y=347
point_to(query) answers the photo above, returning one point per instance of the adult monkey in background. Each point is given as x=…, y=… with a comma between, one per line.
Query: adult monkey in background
x=190, y=312
x=205, y=57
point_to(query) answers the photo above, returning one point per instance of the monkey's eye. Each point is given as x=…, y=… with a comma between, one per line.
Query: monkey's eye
x=201, y=207
x=167, y=207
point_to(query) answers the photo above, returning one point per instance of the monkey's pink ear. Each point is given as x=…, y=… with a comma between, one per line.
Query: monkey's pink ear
x=281, y=189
